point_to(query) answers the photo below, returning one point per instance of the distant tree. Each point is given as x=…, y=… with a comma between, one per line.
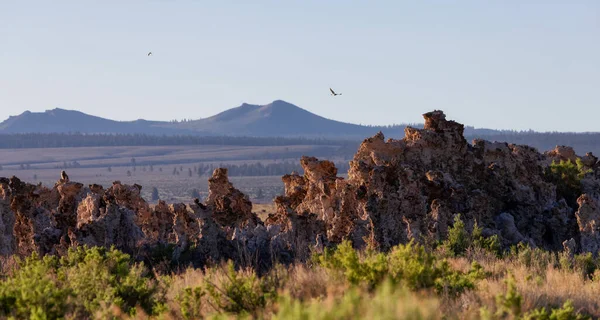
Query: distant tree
x=128, y=173
x=154, y=194
x=109, y=169
x=189, y=172
x=195, y=193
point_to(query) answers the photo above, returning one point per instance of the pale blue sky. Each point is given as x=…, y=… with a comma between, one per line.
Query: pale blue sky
x=495, y=64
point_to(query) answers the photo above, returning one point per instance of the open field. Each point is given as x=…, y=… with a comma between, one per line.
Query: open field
x=171, y=188
x=155, y=155
x=173, y=170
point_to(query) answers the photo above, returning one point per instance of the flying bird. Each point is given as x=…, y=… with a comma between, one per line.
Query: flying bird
x=333, y=93
x=149, y=53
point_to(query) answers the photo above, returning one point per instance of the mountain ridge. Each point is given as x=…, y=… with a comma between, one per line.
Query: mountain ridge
x=276, y=119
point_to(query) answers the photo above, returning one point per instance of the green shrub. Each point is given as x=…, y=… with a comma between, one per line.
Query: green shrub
x=491, y=244
x=567, y=177
x=454, y=283
x=82, y=282
x=35, y=291
x=585, y=263
x=190, y=302
x=413, y=265
x=388, y=301
x=567, y=312
x=409, y=264
x=511, y=301
x=370, y=269
x=535, y=258
x=238, y=292
x=458, y=239
x=107, y=276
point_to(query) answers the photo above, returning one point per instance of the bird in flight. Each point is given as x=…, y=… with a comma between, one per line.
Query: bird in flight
x=333, y=93
x=149, y=54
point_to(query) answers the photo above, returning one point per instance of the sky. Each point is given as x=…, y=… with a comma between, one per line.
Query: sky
x=508, y=64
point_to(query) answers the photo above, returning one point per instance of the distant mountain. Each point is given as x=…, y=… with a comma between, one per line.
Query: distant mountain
x=276, y=119
x=65, y=121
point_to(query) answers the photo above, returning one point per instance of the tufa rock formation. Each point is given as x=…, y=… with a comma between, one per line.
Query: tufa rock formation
x=396, y=190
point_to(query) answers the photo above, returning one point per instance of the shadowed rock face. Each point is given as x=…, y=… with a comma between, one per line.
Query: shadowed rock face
x=396, y=190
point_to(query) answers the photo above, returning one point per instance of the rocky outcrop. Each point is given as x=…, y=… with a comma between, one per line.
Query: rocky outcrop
x=49, y=221
x=229, y=205
x=399, y=190
x=396, y=191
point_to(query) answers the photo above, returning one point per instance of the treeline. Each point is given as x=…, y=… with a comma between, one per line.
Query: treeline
x=63, y=140
x=544, y=141
x=581, y=142
x=251, y=169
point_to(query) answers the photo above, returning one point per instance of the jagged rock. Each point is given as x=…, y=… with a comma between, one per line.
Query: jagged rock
x=588, y=219
x=230, y=206
x=399, y=190
x=506, y=224
x=589, y=160
x=562, y=153
x=570, y=247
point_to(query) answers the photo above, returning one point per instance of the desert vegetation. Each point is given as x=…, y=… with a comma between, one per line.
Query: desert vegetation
x=463, y=277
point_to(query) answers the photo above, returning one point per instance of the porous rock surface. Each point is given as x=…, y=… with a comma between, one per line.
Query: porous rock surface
x=396, y=190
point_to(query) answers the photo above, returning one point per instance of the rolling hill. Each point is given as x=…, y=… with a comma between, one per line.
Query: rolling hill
x=276, y=119
x=70, y=121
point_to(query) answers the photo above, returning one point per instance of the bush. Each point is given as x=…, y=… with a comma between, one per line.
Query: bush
x=586, y=264
x=567, y=177
x=454, y=283
x=35, y=290
x=370, y=269
x=239, y=292
x=415, y=266
x=82, y=282
x=567, y=312
x=190, y=302
x=388, y=301
x=534, y=258
x=459, y=239
x=409, y=264
x=491, y=244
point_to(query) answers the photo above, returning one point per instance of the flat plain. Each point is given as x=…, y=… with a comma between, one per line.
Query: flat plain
x=173, y=170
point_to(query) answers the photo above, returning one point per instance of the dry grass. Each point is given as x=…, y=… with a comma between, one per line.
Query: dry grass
x=264, y=209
